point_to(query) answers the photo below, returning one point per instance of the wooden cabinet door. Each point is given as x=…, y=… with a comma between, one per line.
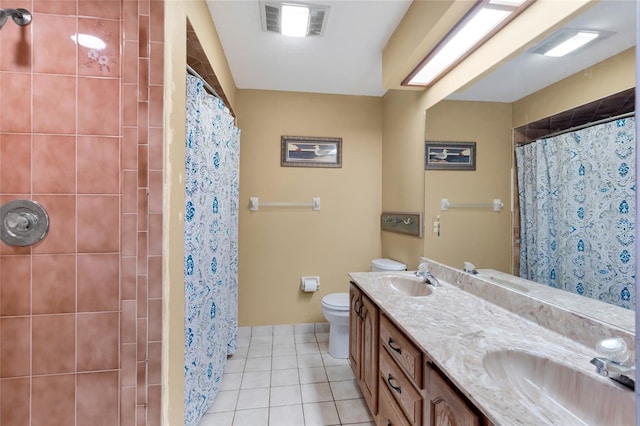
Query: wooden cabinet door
x=369, y=369
x=445, y=407
x=355, y=330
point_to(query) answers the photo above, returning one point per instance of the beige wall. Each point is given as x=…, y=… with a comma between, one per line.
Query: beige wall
x=279, y=245
x=177, y=13
x=480, y=236
x=402, y=170
x=611, y=76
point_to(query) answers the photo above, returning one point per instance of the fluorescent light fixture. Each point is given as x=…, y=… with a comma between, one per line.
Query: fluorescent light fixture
x=295, y=20
x=573, y=43
x=466, y=36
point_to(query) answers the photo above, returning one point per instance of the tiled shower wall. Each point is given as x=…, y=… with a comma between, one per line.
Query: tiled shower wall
x=81, y=132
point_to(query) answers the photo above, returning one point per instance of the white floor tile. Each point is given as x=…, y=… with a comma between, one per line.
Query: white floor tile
x=320, y=414
x=342, y=372
x=241, y=352
x=234, y=365
x=316, y=392
x=253, y=398
x=324, y=347
x=310, y=360
x=305, y=338
x=243, y=341
x=258, y=364
x=261, y=341
x=285, y=377
x=284, y=339
x=281, y=362
x=263, y=330
x=322, y=337
x=353, y=411
x=256, y=379
x=285, y=349
x=231, y=381
x=257, y=417
x=330, y=361
x=259, y=350
x=345, y=389
x=285, y=395
x=307, y=348
x=288, y=415
x=244, y=331
x=217, y=419
x=321, y=327
x=224, y=401
x=283, y=330
x=304, y=328
x=312, y=375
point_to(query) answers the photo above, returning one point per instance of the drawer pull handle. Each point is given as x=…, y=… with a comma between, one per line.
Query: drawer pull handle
x=395, y=348
x=395, y=388
x=355, y=307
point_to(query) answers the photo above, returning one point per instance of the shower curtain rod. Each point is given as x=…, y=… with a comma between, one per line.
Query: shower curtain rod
x=204, y=82
x=580, y=127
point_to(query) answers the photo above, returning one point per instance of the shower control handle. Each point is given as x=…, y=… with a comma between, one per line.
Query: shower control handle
x=23, y=223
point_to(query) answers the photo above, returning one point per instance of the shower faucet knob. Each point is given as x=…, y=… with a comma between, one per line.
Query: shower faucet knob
x=23, y=223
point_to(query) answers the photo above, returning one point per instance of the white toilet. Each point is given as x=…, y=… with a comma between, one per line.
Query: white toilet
x=335, y=308
x=379, y=265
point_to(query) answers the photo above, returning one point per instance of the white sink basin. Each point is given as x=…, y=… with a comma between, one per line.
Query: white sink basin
x=549, y=386
x=407, y=285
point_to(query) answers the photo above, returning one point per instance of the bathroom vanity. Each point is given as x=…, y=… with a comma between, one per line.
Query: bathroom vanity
x=468, y=352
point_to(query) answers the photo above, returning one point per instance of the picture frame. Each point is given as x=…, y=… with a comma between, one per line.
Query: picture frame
x=310, y=151
x=449, y=155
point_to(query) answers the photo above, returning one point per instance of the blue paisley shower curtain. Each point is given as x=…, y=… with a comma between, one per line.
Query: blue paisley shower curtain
x=211, y=246
x=577, y=206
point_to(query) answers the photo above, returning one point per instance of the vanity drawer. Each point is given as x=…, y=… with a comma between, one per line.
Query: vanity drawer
x=389, y=413
x=405, y=353
x=398, y=385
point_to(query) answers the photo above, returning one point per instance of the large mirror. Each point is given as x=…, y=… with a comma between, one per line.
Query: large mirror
x=529, y=96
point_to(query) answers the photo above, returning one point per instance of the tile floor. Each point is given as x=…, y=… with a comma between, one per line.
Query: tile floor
x=284, y=376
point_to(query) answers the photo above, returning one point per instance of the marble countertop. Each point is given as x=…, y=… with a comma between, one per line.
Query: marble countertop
x=456, y=329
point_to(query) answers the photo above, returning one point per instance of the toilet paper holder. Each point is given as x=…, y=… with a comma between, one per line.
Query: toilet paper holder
x=310, y=284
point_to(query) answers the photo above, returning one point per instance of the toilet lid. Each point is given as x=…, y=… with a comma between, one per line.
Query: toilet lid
x=337, y=301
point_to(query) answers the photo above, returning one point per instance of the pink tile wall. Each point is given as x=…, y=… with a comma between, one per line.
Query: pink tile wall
x=81, y=132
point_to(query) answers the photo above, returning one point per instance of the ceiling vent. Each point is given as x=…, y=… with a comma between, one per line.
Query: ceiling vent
x=270, y=14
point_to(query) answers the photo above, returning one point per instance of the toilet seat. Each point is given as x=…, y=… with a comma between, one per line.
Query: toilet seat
x=336, y=301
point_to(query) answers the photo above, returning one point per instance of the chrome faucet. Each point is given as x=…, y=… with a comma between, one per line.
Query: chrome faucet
x=621, y=373
x=428, y=278
x=613, y=362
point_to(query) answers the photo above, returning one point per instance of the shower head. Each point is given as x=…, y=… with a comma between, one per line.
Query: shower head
x=21, y=17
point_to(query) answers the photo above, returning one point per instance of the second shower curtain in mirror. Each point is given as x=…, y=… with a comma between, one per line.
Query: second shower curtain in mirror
x=577, y=206
x=211, y=246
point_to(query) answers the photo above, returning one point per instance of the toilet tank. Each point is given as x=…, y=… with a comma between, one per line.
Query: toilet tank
x=378, y=265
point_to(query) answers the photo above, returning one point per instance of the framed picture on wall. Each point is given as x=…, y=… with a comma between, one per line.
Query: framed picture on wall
x=310, y=151
x=449, y=155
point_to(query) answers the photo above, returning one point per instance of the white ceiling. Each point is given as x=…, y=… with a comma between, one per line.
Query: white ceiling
x=347, y=59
